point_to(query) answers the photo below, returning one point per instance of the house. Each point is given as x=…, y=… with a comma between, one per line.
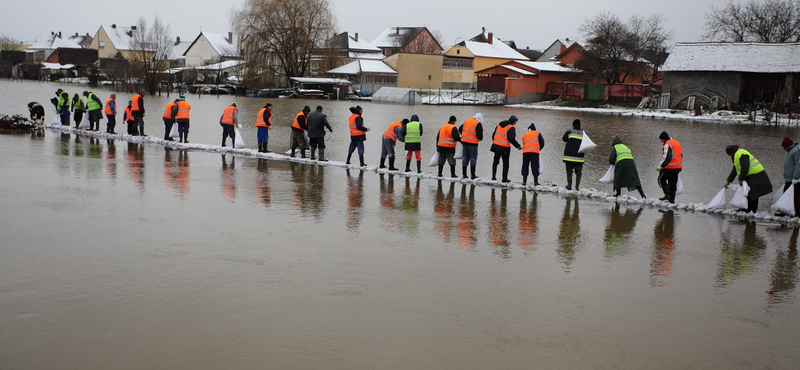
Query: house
x=556, y=48
x=570, y=55
x=114, y=42
x=737, y=73
x=527, y=52
x=351, y=48
x=82, y=40
x=368, y=75
x=485, y=52
x=211, y=47
x=524, y=81
x=413, y=40
x=428, y=71
x=40, y=51
x=176, y=58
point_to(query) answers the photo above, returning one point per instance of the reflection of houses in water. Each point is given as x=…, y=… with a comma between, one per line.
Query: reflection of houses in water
x=228, y=180
x=466, y=227
x=663, y=249
x=527, y=223
x=355, y=200
x=498, y=225
x=618, y=232
x=443, y=211
x=569, y=233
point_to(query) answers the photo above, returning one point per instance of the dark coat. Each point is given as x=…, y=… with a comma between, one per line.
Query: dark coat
x=759, y=183
x=317, y=123
x=512, y=138
x=625, y=173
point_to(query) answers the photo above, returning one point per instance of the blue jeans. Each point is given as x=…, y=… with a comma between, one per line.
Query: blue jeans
x=112, y=123
x=317, y=142
x=263, y=134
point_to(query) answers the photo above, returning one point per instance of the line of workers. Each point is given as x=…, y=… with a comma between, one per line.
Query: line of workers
x=308, y=131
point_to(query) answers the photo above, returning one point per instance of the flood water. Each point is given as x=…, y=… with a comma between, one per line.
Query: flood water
x=129, y=256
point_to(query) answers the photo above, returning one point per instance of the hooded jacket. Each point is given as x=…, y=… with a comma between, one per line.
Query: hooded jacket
x=511, y=135
x=791, y=164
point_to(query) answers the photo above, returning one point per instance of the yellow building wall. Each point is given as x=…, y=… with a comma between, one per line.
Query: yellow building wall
x=417, y=71
x=478, y=63
x=108, y=50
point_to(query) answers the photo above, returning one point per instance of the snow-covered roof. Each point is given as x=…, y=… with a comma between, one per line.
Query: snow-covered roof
x=518, y=70
x=391, y=36
x=357, y=55
x=363, y=66
x=734, y=57
x=361, y=45
x=57, y=66
x=119, y=36
x=221, y=44
x=220, y=66
x=55, y=42
x=321, y=80
x=179, y=49
x=547, y=66
x=496, y=49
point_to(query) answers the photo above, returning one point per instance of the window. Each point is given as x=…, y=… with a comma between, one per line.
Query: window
x=102, y=44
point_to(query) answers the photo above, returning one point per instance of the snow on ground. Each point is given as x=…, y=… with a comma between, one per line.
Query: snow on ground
x=591, y=193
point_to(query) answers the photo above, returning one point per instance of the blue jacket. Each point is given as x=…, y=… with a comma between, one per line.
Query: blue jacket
x=791, y=163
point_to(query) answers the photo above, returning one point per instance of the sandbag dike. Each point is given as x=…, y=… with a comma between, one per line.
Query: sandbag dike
x=16, y=123
x=591, y=193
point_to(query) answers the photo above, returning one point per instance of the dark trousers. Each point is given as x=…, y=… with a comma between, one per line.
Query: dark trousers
x=167, y=128
x=139, y=124
x=132, y=128
x=796, y=196
x=228, y=131
x=112, y=123
x=497, y=157
x=530, y=160
x=668, y=180
x=317, y=142
x=577, y=167
x=78, y=117
x=65, y=116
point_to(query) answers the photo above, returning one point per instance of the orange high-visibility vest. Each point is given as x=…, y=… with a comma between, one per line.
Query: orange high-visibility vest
x=389, y=133
x=227, y=115
x=469, y=133
x=108, y=110
x=530, y=142
x=260, y=119
x=677, y=155
x=183, y=110
x=296, y=123
x=446, y=136
x=168, y=110
x=501, y=136
x=354, y=131
x=128, y=114
x=135, y=106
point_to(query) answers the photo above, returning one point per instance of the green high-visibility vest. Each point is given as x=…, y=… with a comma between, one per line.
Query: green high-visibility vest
x=412, y=132
x=623, y=152
x=63, y=100
x=755, y=166
x=91, y=103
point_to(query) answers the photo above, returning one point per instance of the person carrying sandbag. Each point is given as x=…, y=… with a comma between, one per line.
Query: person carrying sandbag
x=791, y=169
x=748, y=168
x=625, y=173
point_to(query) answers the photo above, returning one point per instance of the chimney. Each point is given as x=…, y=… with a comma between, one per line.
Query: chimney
x=397, y=32
x=491, y=35
x=59, y=34
x=52, y=33
x=113, y=26
x=133, y=28
x=567, y=39
x=177, y=40
x=230, y=37
x=76, y=34
x=356, y=36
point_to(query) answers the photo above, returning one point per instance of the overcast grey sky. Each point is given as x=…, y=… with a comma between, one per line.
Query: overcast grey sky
x=530, y=23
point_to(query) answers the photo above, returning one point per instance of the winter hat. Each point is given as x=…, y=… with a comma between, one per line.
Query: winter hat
x=479, y=117
x=786, y=142
x=664, y=136
x=182, y=97
x=730, y=149
x=452, y=119
x=532, y=127
x=513, y=119
x=306, y=109
x=405, y=120
x=576, y=124
x=414, y=118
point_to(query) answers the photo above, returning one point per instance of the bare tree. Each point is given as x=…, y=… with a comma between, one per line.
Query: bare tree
x=770, y=21
x=8, y=43
x=152, y=46
x=420, y=41
x=280, y=36
x=616, y=51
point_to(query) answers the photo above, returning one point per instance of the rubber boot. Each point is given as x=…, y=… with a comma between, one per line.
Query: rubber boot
x=321, y=154
x=408, y=165
x=569, y=181
x=348, y=157
x=524, y=180
x=536, y=180
x=641, y=192
x=419, y=166
x=265, y=148
x=577, y=182
x=505, y=174
x=223, y=142
x=185, y=137
x=303, y=153
x=391, y=165
x=361, y=159
x=472, y=172
x=494, y=171
x=452, y=170
x=441, y=167
x=313, y=153
x=464, y=171
x=383, y=162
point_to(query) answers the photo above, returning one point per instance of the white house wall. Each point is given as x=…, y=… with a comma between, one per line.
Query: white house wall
x=201, y=52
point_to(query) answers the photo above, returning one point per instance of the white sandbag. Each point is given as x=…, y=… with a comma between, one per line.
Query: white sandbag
x=173, y=132
x=434, y=160
x=459, y=152
x=718, y=202
x=785, y=204
x=56, y=118
x=608, y=178
x=586, y=143
x=776, y=195
x=84, y=121
x=679, y=186
x=238, y=142
x=541, y=165
x=739, y=199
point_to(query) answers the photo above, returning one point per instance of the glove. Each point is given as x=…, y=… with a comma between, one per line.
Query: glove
x=240, y=125
x=658, y=168
x=795, y=181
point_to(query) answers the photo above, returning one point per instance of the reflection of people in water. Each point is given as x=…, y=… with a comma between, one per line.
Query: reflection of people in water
x=498, y=224
x=569, y=232
x=95, y=149
x=263, y=189
x=443, y=209
x=619, y=231
x=176, y=170
x=387, y=213
x=741, y=249
x=355, y=200
x=527, y=222
x=183, y=172
x=135, y=164
x=315, y=198
x=784, y=276
x=411, y=207
x=111, y=159
x=663, y=249
x=466, y=219
x=299, y=182
x=78, y=148
x=228, y=178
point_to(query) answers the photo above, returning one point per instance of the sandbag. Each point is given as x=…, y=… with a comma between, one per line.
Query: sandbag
x=459, y=152
x=679, y=186
x=541, y=165
x=739, y=199
x=56, y=118
x=718, y=202
x=608, y=178
x=785, y=203
x=173, y=132
x=238, y=142
x=586, y=143
x=84, y=121
x=776, y=195
x=434, y=160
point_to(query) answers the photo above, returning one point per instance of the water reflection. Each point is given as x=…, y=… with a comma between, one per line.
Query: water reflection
x=135, y=164
x=263, y=189
x=176, y=171
x=111, y=159
x=741, y=249
x=228, y=178
x=527, y=222
x=663, y=249
x=63, y=149
x=467, y=240
x=95, y=149
x=308, y=188
x=77, y=149
x=355, y=199
x=410, y=222
x=387, y=201
x=443, y=210
x=618, y=232
x=784, y=276
x=569, y=233
x=498, y=224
